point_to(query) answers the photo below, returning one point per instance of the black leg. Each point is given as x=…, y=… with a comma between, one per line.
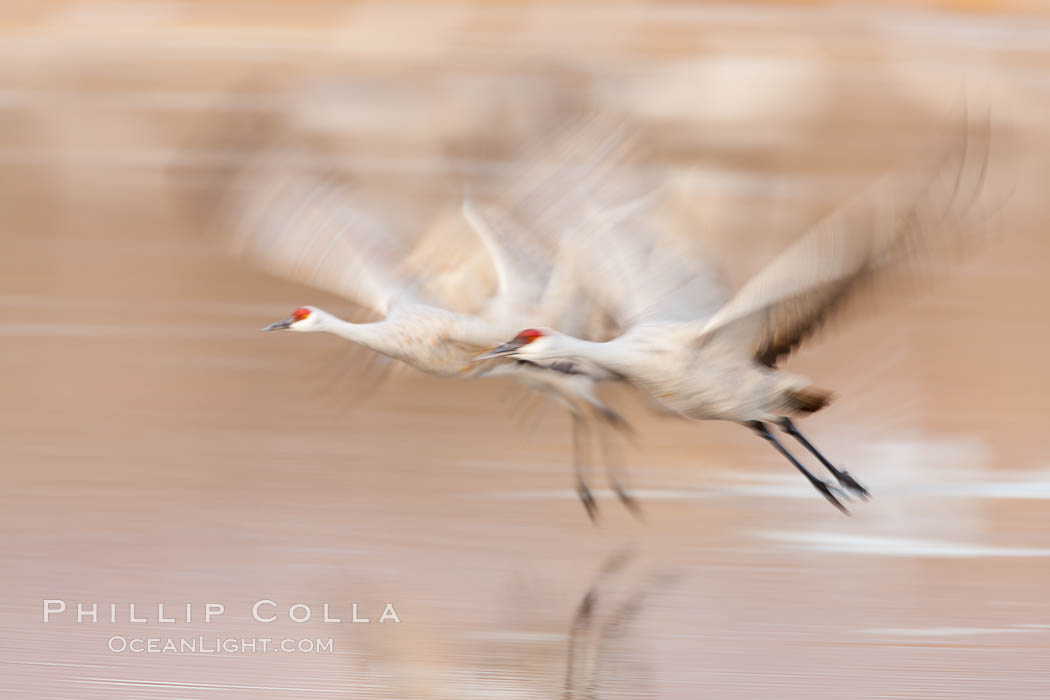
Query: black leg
x=581, y=465
x=845, y=480
x=822, y=486
x=614, y=464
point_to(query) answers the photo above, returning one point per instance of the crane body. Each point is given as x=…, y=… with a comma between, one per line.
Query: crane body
x=706, y=355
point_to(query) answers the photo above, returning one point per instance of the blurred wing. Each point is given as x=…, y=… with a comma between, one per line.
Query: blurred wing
x=521, y=222
x=589, y=163
x=639, y=275
x=676, y=286
x=521, y=273
x=609, y=265
x=863, y=246
x=568, y=305
x=303, y=227
x=453, y=270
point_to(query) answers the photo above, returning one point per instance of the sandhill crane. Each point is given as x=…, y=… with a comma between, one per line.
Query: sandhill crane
x=302, y=226
x=706, y=356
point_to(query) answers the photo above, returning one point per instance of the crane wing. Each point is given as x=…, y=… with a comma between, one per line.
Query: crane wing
x=520, y=224
x=872, y=242
x=306, y=228
x=521, y=227
x=521, y=273
x=568, y=304
x=453, y=270
x=640, y=275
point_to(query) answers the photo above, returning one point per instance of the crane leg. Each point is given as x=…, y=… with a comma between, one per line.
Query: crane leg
x=613, y=457
x=823, y=487
x=843, y=477
x=581, y=464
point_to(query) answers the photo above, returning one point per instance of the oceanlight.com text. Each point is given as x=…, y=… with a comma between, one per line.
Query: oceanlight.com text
x=218, y=645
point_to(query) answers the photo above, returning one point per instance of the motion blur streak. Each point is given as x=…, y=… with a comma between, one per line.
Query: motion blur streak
x=157, y=448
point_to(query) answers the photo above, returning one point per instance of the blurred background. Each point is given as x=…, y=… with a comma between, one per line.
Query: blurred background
x=158, y=449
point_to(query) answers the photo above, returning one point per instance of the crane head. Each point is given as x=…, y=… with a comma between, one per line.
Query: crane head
x=305, y=318
x=517, y=346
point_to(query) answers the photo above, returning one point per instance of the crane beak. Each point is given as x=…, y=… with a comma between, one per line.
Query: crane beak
x=505, y=349
x=279, y=325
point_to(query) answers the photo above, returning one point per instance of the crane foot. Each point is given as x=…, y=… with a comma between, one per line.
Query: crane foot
x=842, y=476
x=852, y=485
x=587, y=498
x=832, y=493
x=630, y=503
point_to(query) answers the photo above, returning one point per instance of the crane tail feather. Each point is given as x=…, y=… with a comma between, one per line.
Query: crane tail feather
x=808, y=400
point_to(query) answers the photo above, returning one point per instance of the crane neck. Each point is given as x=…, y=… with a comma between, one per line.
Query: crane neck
x=606, y=355
x=374, y=336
